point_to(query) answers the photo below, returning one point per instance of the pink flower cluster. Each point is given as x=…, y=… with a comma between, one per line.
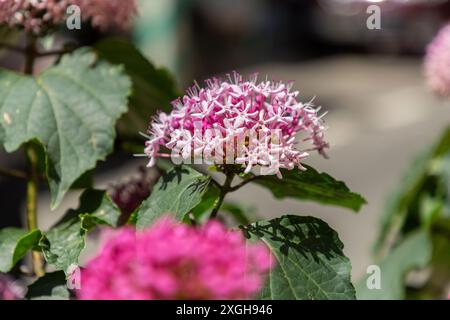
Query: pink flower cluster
x=258, y=122
x=38, y=16
x=9, y=289
x=176, y=261
x=437, y=63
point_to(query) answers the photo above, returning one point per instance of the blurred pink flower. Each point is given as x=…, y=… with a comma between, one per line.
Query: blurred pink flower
x=108, y=14
x=209, y=122
x=38, y=16
x=10, y=289
x=176, y=261
x=437, y=63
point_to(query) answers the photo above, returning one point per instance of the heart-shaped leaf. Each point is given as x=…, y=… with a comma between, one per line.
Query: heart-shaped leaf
x=310, y=264
x=71, y=108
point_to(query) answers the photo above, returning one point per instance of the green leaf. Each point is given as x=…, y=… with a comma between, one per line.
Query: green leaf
x=400, y=203
x=310, y=263
x=313, y=186
x=85, y=181
x=431, y=209
x=443, y=173
x=413, y=252
x=204, y=208
x=52, y=286
x=100, y=207
x=71, y=108
x=14, y=244
x=63, y=244
x=153, y=89
x=177, y=193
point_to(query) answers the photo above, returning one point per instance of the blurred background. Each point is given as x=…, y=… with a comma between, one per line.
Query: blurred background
x=371, y=82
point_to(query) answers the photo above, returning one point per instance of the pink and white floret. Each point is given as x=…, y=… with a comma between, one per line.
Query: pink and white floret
x=239, y=121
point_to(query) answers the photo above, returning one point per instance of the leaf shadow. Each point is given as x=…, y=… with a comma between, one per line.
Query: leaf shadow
x=175, y=174
x=307, y=236
x=198, y=186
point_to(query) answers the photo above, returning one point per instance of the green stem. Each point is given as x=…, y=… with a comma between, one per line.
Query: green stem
x=32, y=159
x=30, y=54
x=32, y=193
x=223, y=192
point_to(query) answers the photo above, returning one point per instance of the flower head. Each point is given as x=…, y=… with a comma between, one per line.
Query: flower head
x=176, y=261
x=437, y=63
x=10, y=289
x=248, y=122
x=39, y=16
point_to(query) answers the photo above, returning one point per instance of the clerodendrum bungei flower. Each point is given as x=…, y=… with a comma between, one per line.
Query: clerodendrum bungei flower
x=176, y=261
x=38, y=16
x=437, y=63
x=239, y=121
